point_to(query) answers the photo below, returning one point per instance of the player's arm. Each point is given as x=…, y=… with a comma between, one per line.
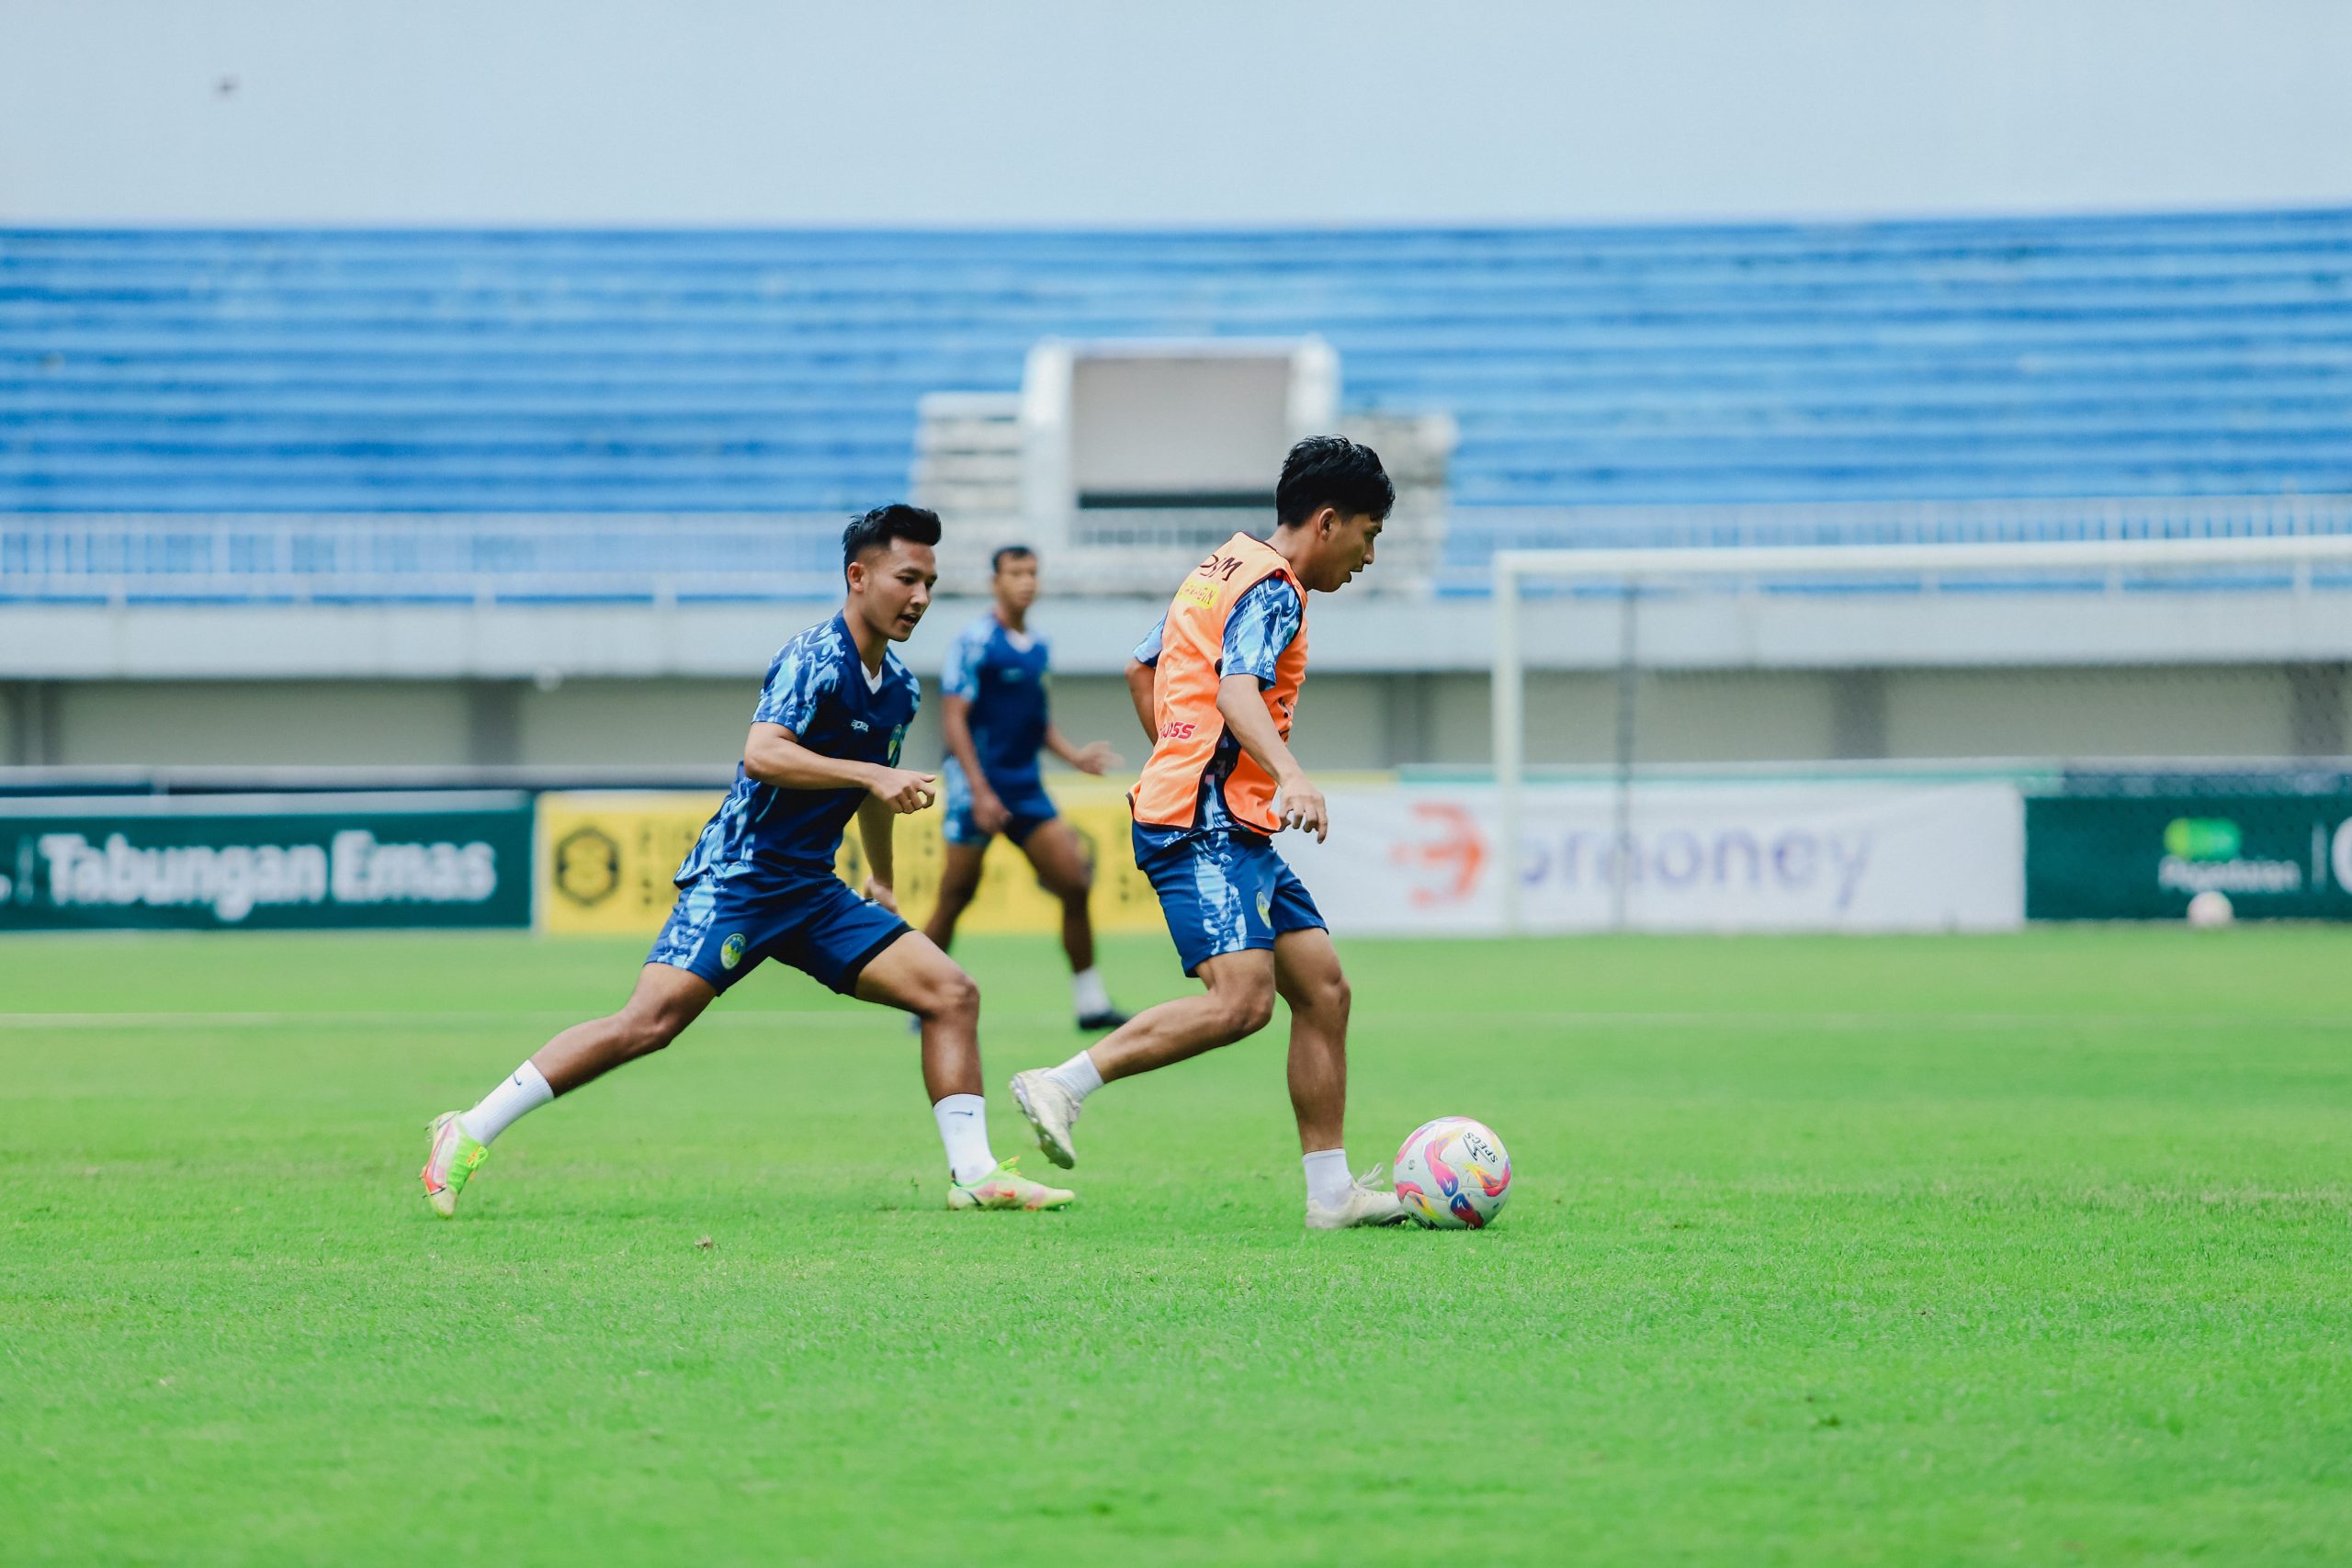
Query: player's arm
x=773, y=755
x=1143, y=670
x=1094, y=757
x=875, y=822
x=1140, y=677
x=1240, y=702
x=956, y=728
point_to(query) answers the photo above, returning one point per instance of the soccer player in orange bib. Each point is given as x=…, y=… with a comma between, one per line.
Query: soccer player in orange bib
x=1215, y=684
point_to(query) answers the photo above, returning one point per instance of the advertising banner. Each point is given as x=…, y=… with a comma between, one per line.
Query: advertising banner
x=2142, y=856
x=266, y=863
x=607, y=858
x=1828, y=856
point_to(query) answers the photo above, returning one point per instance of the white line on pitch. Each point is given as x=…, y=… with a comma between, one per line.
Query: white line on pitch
x=1370, y=1020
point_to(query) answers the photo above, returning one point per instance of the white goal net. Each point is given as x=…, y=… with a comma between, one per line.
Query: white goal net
x=1921, y=737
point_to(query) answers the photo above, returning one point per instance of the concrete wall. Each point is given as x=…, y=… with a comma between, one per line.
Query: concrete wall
x=314, y=722
x=2214, y=712
x=1345, y=721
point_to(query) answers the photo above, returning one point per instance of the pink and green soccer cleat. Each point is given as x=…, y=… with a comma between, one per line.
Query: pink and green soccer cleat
x=1006, y=1187
x=450, y=1161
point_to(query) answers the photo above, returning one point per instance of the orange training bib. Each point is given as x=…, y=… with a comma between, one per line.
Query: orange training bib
x=1185, y=689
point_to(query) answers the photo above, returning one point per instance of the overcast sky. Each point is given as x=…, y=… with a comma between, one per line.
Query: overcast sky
x=1204, y=111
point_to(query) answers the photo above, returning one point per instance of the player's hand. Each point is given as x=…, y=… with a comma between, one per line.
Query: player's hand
x=879, y=891
x=1097, y=758
x=902, y=789
x=1300, y=806
x=988, y=814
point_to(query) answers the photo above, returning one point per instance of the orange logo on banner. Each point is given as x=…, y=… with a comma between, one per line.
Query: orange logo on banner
x=1451, y=861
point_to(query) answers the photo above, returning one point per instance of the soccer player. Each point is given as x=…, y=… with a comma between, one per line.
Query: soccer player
x=1215, y=684
x=994, y=712
x=759, y=882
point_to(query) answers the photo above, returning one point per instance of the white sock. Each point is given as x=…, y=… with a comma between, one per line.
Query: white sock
x=1326, y=1177
x=1078, y=1075
x=964, y=1127
x=520, y=1094
x=1087, y=993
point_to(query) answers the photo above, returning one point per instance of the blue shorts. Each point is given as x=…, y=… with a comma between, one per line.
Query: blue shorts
x=723, y=925
x=1225, y=892
x=1030, y=806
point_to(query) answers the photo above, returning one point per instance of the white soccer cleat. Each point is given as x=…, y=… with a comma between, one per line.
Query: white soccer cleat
x=1051, y=1110
x=1367, y=1204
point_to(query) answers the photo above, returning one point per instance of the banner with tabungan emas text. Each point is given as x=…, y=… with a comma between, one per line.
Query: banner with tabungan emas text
x=266, y=863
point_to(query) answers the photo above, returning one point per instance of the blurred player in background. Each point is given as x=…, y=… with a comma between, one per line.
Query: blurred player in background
x=1215, y=684
x=995, y=714
x=760, y=883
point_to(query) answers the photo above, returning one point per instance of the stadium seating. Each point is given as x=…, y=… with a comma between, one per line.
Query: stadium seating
x=657, y=372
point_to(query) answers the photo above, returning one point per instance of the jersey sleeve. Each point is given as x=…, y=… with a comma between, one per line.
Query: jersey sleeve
x=961, y=676
x=1263, y=624
x=1147, y=650
x=800, y=678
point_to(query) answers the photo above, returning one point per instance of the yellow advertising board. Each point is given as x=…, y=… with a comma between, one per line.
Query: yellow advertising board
x=605, y=859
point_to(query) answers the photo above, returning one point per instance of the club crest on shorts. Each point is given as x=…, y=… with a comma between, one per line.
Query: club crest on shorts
x=731, y=952
x=1265, y=909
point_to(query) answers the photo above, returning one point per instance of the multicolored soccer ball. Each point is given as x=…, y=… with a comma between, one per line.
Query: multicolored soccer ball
x=1453, y=1174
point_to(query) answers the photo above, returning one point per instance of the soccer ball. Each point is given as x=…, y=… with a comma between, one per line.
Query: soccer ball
x=2211, y=910
x=1453, y=1174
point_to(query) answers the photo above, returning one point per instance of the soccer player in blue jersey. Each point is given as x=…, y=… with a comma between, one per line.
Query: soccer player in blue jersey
x=996, y=717
x=759, y=882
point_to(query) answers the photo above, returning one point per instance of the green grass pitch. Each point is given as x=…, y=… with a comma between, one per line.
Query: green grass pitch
x=2031, y=1248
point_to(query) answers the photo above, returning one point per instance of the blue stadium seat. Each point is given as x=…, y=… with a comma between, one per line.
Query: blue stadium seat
x=330, y=371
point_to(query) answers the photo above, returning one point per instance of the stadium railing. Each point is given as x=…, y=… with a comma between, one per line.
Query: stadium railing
x=658, y=559
x=420, y=559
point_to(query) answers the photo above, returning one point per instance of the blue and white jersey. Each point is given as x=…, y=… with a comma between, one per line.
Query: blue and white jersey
x=1004, y=675
x=817, y=688
x=1264, y=621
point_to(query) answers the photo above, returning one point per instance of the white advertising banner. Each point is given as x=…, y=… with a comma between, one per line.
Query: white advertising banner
x=1730, y=856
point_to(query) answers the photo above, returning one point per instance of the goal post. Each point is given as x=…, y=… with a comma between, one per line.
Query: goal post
x=2266, y=603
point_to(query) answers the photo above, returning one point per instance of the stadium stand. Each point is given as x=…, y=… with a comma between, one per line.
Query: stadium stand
x=665, y=372
x=520, y=453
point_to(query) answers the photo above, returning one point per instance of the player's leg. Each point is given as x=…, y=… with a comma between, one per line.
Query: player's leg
x=913, y=974
x=716, y=933
x=966, y=845
x=1054, y=850
x=665, y=1001
x=1307, y=973
x=1218, y=894
x=1227, y=940
x=1237, y=1002
x=959, y=879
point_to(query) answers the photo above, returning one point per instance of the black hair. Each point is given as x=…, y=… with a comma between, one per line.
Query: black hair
x=874, y=530
x=1009, y=552
x=1332, y=470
